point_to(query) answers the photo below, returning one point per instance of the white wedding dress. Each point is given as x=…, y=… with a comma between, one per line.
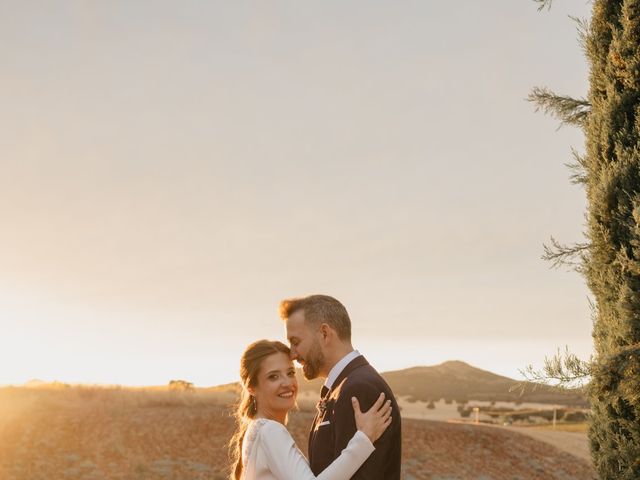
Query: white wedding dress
x=269, y=453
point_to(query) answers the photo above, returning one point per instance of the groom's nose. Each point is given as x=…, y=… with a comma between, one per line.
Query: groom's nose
x=293, y=353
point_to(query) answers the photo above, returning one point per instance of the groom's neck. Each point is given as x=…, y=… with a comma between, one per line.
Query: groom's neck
x=335, y=355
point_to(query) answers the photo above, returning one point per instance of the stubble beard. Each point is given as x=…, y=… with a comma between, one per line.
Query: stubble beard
x=313, y=363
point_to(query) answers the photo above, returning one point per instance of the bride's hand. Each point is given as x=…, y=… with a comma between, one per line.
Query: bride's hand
x=374, y=421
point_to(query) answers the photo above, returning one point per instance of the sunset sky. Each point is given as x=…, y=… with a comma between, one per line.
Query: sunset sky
x=172, y=170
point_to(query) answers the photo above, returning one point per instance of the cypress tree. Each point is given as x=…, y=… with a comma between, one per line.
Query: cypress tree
x=610, y=258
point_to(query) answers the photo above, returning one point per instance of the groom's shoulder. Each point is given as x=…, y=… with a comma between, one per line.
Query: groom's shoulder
x=363, y=371
x=363, y=377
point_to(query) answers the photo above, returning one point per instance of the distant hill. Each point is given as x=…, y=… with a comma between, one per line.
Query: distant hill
x=454, y=380
x=457, y=380
x=460, y=381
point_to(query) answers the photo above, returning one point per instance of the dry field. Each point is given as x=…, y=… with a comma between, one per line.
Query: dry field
x=96, y=433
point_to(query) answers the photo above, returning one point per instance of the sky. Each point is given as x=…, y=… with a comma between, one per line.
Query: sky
x=171, y=171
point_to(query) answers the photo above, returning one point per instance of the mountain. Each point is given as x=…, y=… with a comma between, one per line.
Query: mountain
x=455, y=380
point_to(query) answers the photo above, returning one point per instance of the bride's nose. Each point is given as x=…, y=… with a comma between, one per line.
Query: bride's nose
x=287, y=380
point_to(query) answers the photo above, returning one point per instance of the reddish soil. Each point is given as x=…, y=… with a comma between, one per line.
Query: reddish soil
x=119, y=434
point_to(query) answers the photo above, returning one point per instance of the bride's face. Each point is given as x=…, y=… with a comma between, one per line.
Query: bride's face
x=277, y=387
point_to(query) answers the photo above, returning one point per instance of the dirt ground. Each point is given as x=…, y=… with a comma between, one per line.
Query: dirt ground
x=576, y=444
x=97, y=434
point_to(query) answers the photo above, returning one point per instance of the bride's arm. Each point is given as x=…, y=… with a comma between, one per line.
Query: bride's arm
x=287, y=462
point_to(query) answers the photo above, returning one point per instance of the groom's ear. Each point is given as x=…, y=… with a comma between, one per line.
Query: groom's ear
x=325, y=331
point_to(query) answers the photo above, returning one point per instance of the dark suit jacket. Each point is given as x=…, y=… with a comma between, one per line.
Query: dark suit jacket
x=333, y=428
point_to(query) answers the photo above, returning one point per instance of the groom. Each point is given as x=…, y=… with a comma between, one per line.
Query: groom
x=319, y=332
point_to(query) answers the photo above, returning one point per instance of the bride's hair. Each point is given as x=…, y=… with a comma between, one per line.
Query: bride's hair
x=250, y=364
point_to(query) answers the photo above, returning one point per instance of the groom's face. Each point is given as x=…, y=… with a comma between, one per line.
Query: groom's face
x=305, y=345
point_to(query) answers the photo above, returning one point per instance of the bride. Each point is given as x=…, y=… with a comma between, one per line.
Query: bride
x=262, y=448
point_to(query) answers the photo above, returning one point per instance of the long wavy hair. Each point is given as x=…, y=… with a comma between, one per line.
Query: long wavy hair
x=250, y=364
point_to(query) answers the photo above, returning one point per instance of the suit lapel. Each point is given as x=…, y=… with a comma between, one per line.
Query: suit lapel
x=351, y=366
x=357, y=362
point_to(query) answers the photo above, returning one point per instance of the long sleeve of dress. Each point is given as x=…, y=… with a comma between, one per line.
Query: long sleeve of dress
x=287, y=462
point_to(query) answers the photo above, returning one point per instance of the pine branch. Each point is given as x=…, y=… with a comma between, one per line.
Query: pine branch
x=578, y=168
x=568, y=110
x=583, y=27
x=543, y=3
x=572, y=256
x=562, y=371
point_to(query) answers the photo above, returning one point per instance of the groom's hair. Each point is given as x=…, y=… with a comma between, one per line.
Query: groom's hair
x=319, y=309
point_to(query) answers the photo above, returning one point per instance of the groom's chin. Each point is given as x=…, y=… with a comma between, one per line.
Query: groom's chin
x=309, y=374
